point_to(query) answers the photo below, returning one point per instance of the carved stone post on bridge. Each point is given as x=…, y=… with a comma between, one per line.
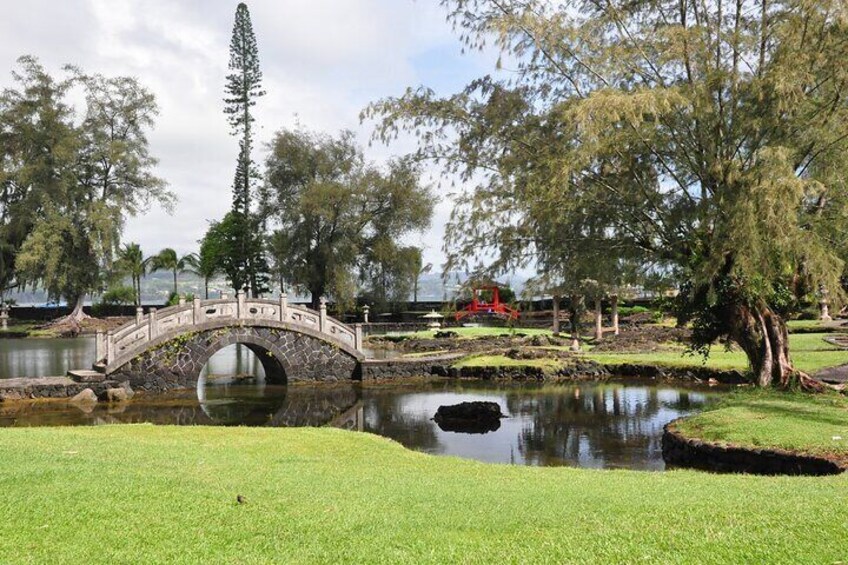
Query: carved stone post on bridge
x=284, y=307
x=240, y=304
x=139, y=315
x=99, y=346
x=322, y=314
x=110, y=346
x=181, y=301
x=152, y=330
x=357, y=340
x=198, y=315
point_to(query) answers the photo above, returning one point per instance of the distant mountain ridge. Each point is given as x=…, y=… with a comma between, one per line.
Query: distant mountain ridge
x=157, y=287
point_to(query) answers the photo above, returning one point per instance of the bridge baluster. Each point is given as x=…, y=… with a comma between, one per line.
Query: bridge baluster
x=139, y=315
x=110, y=346
x=284, y=307
x=322, y=315
x=99, y=349
x=152, y=330
x=198, y=316
x=239, y=304
x=358, y=337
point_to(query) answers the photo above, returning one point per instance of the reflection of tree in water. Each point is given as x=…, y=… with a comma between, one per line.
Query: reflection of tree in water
x=604, y=426
x=386, y=415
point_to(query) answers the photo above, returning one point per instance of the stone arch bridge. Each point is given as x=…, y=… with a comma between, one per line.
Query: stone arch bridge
x=167, y=349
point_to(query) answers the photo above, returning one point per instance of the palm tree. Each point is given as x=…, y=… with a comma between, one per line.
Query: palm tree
x=207, y=263
x=168, y=260
x=131, y=261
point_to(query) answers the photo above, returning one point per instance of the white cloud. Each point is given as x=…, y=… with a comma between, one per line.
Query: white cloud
x=323, y=61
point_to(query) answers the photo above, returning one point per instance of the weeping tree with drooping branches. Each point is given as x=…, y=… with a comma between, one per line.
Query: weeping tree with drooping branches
x=708, y=139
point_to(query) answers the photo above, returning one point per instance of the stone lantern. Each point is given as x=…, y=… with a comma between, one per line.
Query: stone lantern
x=433, y=319
x=824, y=305
x=365, y=311
x=4, y=316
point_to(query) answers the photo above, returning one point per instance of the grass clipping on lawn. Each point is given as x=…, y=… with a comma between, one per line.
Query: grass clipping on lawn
x=168, y=494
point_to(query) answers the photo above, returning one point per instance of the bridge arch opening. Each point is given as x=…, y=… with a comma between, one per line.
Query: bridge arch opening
x=245, y=362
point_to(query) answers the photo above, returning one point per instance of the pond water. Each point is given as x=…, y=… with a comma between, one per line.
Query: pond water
x=599, y=425
x=44, y=357
x=595, y=425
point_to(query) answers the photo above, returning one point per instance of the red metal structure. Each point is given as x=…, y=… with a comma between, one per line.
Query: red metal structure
x=495, y=307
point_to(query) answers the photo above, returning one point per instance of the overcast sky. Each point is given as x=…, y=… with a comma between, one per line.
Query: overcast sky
x=323, y=61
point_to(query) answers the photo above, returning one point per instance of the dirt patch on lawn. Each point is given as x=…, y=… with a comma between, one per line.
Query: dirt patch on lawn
x=645, y=339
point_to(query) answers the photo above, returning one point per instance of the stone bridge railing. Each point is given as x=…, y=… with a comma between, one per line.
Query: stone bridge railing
x=132, y=338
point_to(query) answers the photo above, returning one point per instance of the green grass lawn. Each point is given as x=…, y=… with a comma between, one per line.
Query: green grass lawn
x=809, y=352
x=25, y=326
x=146, y=494
x=762, y=418
x=804, y=324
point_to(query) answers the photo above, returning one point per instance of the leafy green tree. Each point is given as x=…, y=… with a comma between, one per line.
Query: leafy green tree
x=67, y=206
x=222, y=251
x=131, y=262
x=329, y=207
x=207, y=263
x=37, y=145
x=710, y=137
x=168, y=260
x=390, y=272
x=120, y=296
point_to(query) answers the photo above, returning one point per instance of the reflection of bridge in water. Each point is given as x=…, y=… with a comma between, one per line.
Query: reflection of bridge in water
x=167, y=349
x=216, y=405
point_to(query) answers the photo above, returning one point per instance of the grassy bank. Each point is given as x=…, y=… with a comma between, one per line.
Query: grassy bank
x=30, y=328
x=166, y=494
x=809, y=352
x=811, y=424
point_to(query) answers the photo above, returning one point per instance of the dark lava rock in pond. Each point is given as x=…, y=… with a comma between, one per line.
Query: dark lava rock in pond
x=470, y=417
x=469, y=426
x=445, y=334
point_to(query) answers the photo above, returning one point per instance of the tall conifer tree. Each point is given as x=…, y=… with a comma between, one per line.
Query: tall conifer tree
x=244, y=86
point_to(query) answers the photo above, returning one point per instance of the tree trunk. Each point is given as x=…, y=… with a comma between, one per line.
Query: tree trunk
x=316, y=293
x=77, y=313
x=206, y=287
x=556, y=315
x=175, y=281
x=615, y=328
x=762, y=335
x=599, y=321
x=74, y=318
x=575, y=322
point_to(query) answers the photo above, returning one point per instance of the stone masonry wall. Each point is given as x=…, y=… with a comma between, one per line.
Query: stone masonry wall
x=286, y=357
